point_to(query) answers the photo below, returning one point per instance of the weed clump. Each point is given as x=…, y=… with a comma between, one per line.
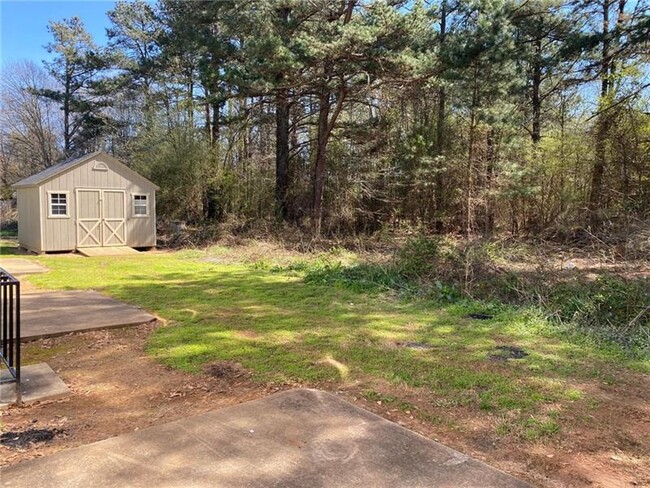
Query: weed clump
x=228, y=370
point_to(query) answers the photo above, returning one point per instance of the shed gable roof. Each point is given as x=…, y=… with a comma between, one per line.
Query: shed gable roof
x=64, y=166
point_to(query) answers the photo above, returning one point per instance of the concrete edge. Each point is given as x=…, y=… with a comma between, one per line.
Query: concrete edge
x=27, y=403
x=25, y=400
x=42, y=291
x=24, y=340
x=24, y=273
x=29, y=273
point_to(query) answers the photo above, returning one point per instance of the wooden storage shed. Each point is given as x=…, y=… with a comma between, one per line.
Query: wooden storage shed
x=92, y=201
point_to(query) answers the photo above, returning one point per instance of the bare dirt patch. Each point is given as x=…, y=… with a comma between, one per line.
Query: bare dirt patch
x=505, y=353
x=480, y=316
x=414, y=345
x=116, y=388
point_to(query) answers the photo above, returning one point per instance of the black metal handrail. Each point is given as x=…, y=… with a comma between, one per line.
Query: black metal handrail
x=10, y=329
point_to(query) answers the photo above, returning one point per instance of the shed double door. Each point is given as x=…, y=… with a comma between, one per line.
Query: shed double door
x=101, y=217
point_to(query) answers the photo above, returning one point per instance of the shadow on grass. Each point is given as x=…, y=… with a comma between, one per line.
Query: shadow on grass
x=284, y=330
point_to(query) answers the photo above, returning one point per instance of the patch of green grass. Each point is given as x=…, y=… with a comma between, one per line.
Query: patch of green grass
x=32, y=353
x=374, y=396
x=608, y=311
x=284, y=327
x=530, y=429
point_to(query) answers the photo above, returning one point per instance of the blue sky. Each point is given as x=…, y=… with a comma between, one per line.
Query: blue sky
x=23, y=25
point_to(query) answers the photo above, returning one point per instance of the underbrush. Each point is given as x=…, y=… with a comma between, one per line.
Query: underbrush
x=604, y=307
x=8, y=228
x=612, y=308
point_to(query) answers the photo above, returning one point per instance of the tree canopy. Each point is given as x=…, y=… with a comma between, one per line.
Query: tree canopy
x=465, y=116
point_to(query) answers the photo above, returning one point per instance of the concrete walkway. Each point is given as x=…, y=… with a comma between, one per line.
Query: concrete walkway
x=299, y=439
x=38, y=383
x=49, y=314
x=20, y=266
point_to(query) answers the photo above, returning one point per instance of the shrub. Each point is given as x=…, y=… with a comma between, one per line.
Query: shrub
x=419, y=256
x=613, y=308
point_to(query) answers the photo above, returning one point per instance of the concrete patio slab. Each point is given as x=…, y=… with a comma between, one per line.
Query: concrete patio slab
x=20, y=266
x=295, y=439
x=49, y=314
x=38, y=383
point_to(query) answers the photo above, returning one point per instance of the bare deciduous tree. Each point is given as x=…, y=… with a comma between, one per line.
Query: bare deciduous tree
x=30, y=126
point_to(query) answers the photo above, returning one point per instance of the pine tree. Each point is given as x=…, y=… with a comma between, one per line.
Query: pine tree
x=350, y=49
x=133, y=43
x=77, y=67
x=480, y=64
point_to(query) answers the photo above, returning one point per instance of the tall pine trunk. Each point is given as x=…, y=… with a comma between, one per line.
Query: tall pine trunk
x=67, y=136
x=536, y=133
x=602, y=127
x=216, y=122
x=469, y=214
x=440, y=135
x=489, y=176
x=326, y=122
x=282, y=152
x=208, y=120
x=318, y=175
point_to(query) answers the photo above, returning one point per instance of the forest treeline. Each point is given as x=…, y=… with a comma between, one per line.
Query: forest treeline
x=465, y=116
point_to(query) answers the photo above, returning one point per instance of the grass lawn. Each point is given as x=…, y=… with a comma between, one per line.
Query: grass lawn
x=286, y=330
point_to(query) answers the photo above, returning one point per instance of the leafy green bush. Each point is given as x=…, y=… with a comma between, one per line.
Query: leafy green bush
x=360, y=277
x=409, y=273
x=419, y=256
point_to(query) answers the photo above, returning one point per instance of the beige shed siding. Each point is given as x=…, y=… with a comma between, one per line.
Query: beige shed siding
x=29, y=228
x=60, y=234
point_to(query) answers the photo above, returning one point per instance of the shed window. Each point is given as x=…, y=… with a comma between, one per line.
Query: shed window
x=58, y=204
x=140, y=206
